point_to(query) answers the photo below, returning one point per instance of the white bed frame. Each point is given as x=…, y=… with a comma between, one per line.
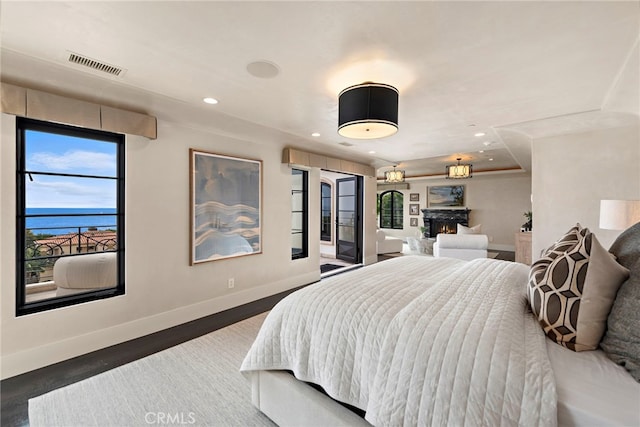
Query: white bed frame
x=592, y=390
x=289, y=402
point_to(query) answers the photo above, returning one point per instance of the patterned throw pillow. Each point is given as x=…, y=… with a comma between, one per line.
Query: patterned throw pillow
x=568, y=240
x=572, y=288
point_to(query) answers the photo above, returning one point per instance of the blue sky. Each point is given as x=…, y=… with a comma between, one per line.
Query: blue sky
x=63, y=154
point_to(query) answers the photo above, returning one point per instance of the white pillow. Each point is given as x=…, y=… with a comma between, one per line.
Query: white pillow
x=476, y=229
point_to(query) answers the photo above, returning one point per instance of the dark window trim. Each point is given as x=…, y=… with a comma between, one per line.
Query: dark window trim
x=305, y=214
x=326, y=237
x=391, y=194
x=23, y=125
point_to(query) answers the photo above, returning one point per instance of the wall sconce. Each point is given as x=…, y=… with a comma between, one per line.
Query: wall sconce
x=459, y=171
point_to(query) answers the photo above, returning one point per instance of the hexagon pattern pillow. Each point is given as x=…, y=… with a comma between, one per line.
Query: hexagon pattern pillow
x=572, y=288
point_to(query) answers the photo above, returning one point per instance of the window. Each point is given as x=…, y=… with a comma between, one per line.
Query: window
x=299, y=214
x=70, y=215
x=325, y=212
x=391, y=209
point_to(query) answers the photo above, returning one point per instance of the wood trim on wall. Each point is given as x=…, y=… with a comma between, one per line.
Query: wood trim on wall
x=39, y=105
x=296, y=157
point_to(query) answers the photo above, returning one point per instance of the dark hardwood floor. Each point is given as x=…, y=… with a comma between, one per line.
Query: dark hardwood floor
x=17, y=391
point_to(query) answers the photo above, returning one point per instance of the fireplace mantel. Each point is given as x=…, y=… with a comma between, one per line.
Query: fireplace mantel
x=437, y=219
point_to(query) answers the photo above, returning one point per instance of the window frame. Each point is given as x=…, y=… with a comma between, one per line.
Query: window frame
x=391, y=194
x=304, y=253
x=323, y=238
x=22, y=126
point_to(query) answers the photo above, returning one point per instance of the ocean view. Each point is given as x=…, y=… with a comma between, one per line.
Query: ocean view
x=56, y=224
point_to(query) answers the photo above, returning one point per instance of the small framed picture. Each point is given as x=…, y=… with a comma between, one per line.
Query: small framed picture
x=413, y=222
x=414, y=209
x=414, y=197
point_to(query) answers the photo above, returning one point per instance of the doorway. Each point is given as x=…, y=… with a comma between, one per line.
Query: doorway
x=341, y=220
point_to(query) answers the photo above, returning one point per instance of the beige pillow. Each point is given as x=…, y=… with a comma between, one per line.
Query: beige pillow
x=572, y=291
x=476, y=229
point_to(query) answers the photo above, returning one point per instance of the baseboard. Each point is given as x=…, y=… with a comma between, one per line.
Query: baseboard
x=24, y=361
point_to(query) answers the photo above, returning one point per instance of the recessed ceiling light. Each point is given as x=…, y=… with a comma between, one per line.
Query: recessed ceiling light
x=315, y=134
x=481, y=151
x=372, y=152
x=487, y=143
x=210, y=100
x=491, y=159
x=480, y=134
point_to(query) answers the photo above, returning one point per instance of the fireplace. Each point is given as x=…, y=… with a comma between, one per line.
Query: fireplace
x=444, y=220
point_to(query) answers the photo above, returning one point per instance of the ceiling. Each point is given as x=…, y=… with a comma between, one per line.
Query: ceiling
x=510, y=70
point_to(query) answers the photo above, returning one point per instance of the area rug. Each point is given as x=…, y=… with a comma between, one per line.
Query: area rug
x=194, y=383
x=328, y=267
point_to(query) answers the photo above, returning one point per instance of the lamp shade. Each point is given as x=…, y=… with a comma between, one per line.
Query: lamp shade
x=368, y=111
x=394, y=175
x=459, y=171
x=619, y=214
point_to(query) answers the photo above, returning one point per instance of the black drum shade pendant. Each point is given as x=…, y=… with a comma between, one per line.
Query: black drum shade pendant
x=368, y=111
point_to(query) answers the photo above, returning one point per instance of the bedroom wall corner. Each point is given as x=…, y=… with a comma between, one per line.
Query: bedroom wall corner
x=573, y=172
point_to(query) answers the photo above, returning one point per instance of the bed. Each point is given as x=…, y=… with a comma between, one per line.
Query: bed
x=418, y=340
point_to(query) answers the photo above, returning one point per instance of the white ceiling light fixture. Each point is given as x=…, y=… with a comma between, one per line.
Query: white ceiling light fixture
x=211, y=101
x=368, y=111
x=394, y=176
x=459, y=171
x=315, y=134
x=479, y=134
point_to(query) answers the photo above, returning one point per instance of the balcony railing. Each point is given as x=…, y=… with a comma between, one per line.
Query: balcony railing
x=43, y=250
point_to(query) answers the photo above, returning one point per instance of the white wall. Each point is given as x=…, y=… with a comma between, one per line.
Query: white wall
x=496, y=201
x=572, y=173
x=162, y=290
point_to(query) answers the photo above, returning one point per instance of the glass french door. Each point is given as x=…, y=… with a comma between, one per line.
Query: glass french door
x=349, y=219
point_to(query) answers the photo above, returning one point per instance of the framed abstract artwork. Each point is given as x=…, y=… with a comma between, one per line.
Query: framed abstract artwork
x=414, y=209
x=445, y=196
x=414, y=197
x=413, y=222
x=225, y=203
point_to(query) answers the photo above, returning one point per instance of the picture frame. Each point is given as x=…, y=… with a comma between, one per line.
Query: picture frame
x=413, y=222
x=414, y=197
x=414, y=209
x=225, y=206
x=446, y=196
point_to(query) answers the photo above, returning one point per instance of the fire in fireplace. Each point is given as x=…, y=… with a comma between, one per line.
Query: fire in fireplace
x=446, y=227
x=444, y=220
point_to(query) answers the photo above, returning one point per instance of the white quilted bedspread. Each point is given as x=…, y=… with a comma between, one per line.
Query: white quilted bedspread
x=417, y=341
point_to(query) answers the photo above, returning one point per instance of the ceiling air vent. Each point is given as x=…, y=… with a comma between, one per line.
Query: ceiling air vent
x=346, y=144
x=96, y=65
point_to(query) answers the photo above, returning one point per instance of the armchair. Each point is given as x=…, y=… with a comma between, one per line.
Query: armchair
x=387, y=244
x=84, y=273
